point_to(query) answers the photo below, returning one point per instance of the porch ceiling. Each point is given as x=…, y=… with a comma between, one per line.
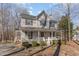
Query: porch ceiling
x=37, y=29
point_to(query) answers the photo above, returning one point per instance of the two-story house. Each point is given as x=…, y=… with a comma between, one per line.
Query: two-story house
x=40, y=27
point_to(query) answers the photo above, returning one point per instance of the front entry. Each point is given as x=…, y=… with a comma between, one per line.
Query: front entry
x=30, y=35
x=42, y=34
x=45, y=34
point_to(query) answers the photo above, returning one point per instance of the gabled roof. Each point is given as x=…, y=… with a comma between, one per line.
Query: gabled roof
x=31, y=17
x=43, y=12
x=27, y=16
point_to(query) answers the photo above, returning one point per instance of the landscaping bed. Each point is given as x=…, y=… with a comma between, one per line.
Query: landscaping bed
x=28, y=52
x=37, y=50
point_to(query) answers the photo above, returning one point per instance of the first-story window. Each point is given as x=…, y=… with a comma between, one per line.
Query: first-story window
x=53, y=34
x=42, y=34
x=50, y=34
x=30, y=35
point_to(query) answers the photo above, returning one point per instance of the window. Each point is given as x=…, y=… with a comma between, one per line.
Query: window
x=42, y=34
x=43, y=22
x=50, y=34
x=30, y=35
x=29, y=22
x=53, y=34
x=52, y=24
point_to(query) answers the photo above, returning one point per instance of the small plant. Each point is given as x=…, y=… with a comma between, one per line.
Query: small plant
x=34, y=43
x=26, y=44
x=42, y=43
x=54, y=42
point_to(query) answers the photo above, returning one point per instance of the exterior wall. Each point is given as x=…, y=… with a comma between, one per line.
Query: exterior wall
x=22, y=22
x=56, y=25
x=35, y=35
x=36, y=23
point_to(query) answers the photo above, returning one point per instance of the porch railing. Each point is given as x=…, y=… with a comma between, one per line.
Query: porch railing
x=44, y=39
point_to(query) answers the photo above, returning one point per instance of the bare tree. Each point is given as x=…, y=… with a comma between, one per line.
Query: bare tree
x=9, y=20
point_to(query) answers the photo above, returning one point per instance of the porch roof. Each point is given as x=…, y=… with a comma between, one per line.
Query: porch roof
x=37, y=29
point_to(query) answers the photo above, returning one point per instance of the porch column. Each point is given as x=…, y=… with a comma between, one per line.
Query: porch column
x=55, y=33
x=38, y=35
x=51, y=34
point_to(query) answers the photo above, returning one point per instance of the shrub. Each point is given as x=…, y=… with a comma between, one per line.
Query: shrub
x=42, y=43
x=34, y=43
x=54, y=42
x=26, y=44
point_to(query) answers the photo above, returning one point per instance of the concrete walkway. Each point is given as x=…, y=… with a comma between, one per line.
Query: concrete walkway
x=7, y=49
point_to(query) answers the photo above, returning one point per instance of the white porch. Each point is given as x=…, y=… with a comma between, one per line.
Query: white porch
x=29, y=36
x=39, y=35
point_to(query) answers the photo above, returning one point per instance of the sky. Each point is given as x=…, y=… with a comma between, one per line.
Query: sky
x=36, y=8
x=57, y=10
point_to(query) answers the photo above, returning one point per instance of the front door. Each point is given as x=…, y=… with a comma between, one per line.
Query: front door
x=30, y=35
x=42, y=34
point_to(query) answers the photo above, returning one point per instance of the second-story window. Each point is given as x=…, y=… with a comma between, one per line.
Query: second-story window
x=43, y=22
x=29, y=22
x=51, y=23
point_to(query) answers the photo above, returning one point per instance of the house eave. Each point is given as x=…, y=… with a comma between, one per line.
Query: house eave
x=37, y=29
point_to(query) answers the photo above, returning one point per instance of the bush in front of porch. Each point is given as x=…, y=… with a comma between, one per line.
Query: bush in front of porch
x=43, y=43
x=35, y=44
x=54, y=42
x=26, y=44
